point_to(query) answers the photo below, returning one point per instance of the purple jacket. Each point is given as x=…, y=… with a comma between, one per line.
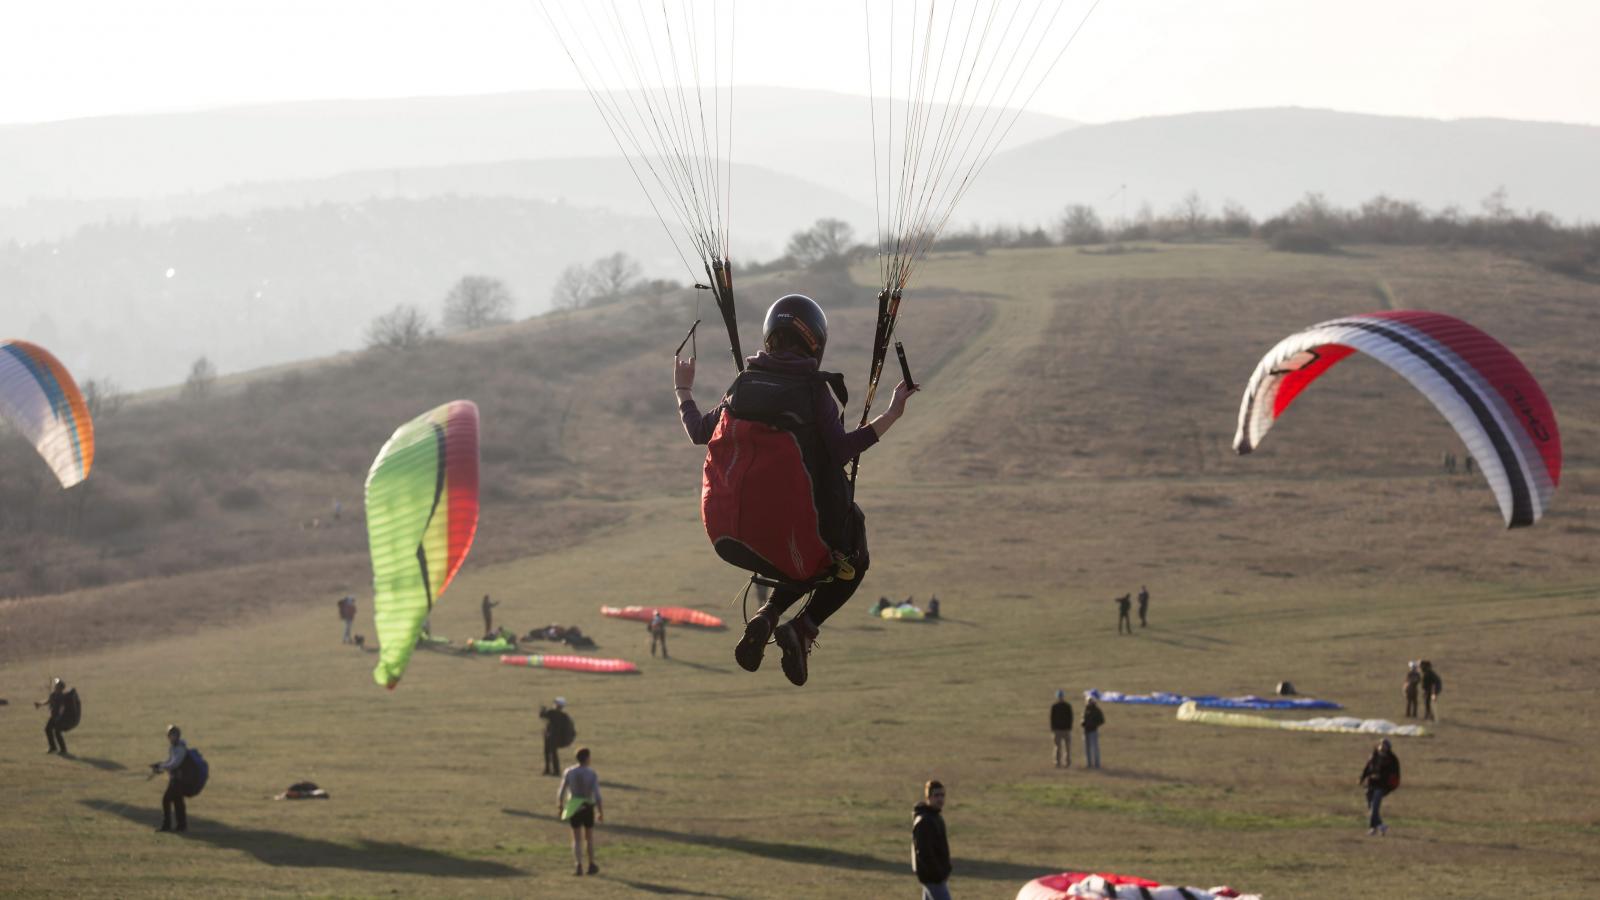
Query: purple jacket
x=842, y=446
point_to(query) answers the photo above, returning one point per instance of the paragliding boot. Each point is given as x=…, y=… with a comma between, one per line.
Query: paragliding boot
x=795, y=638
x=753, y=645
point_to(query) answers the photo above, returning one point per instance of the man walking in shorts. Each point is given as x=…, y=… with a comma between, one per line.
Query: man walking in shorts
x=578, y=802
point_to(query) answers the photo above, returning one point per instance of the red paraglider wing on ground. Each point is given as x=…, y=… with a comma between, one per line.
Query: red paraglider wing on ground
x=677, y=615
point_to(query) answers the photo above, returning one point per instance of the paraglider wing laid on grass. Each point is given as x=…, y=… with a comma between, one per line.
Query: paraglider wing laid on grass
x=573, y=664
x=1162, y=698
x=422, y=513
x=39, y=398
x=1110, y=886
x=677, y=615
x=1191, y=712
x=1482, y=388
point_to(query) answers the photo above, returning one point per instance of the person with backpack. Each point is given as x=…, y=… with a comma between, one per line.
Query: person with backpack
x=1123, y=603
x=578, y=802
x=1061, y=728
x=1432, y=685
x=347, y=613
x=930, y=846
x=181, y=777
x=784, y=401
x=64, y=715
x=558, y=732
x=658, y=633
x=1093, y=718
x=1381, y=777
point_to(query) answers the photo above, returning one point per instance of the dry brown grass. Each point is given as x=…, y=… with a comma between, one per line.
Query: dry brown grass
x=1020, y=489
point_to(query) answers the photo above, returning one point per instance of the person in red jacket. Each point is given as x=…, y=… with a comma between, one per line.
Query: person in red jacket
x=1381, y=777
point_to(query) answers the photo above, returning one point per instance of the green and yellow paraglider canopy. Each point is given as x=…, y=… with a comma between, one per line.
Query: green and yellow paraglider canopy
x=422, y=513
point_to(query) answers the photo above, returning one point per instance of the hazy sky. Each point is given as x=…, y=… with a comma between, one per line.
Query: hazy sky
x=1533, y=59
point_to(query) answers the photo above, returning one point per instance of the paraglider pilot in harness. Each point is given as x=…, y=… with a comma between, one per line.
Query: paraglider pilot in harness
x=775, y=470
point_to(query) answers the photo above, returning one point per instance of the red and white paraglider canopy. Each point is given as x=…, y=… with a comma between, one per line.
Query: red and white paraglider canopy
x=1481, y=387
x=1110, y=886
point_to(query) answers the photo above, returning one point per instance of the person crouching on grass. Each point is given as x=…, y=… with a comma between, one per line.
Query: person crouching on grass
x=578, y=801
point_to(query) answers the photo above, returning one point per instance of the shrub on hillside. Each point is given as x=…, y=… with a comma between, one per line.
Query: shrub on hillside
x=1294, y=240
x=240, y=498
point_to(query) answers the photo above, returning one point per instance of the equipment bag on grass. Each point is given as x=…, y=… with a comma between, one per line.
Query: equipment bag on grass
x=770, y=501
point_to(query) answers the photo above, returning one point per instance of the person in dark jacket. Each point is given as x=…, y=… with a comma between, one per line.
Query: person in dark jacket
x=1412, y=683
x=347, y=615
x=1061, y=727
x=930, y=847
x=1144, y=605
x=173, y=799
x=558, y=731
x=488, y=617
x=1380, y=777
x=794, y=335
x=1093, y=718
x=658, y=634
x=55, y=728
x=1432, y=685
x=1123, y=604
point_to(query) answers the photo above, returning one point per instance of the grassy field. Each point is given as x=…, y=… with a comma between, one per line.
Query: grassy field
x=1072, y=443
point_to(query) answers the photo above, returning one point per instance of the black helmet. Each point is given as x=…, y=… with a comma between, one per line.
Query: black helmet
x=800, y=318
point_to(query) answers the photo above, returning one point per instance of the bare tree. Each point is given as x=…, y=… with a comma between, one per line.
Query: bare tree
x=826, y=241
x=103, y=398
x=1081, y=225
x=477, y=301
x=1192, y=212
x=1236, y=220
x=202, y=380
x=612, y=276
x=401, y=328
x=573, y=288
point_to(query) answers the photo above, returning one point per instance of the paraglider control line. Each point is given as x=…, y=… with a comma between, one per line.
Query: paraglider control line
x=688, y=337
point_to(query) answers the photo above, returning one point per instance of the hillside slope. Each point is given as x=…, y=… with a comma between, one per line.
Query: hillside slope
x=1069, y=446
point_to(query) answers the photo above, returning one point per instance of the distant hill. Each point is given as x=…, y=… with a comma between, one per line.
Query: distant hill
x=1267, y=159
x=140, y=302
x=57, y=176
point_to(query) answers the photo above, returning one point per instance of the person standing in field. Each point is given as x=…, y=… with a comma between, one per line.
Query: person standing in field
x=1144, y=605
x=658, y=634
x=173, y=799
x=930, y=846
x=55, y=729
x=558, y=732
x=578, y=802
x=1412, y=684
x=1123, y=604
x=347, y=613
x=1093, y=718
x=1381, y=777
x=1432, y=686
x=488, y=617
x=1061, y=727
